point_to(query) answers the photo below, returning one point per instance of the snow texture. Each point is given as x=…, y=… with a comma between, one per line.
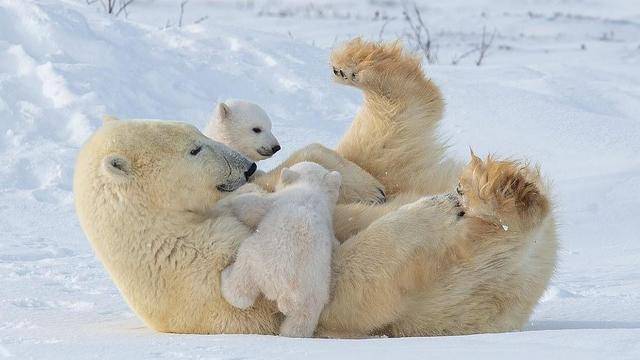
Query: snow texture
x=560, y=86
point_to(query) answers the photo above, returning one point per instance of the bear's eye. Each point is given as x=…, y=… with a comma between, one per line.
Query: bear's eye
x=257, y=130
x=459, y=190
x=195, y=150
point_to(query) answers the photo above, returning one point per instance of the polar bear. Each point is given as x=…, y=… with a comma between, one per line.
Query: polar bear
x=475, y=258
x=244, y=127
x=288, y=258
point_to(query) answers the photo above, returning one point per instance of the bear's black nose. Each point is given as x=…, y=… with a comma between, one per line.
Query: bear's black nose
x=275, y=149
x=252, y=169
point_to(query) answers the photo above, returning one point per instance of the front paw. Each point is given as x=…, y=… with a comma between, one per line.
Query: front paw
x=231, y=292
x=363, y=189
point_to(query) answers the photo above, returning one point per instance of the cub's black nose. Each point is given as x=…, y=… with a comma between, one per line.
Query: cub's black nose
x=252, y=169
x=275, y=149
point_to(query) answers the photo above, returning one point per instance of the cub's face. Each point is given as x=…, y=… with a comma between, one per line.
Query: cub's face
x=246, y=128
x=172, y=164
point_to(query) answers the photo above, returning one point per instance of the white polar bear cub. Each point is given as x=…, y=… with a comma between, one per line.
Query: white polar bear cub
x=288, y=258
x=244, y=127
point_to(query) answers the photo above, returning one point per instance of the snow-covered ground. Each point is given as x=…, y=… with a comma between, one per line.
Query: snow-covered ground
x=560, y=85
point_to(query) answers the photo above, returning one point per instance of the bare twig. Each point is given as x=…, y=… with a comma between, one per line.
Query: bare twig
x=485, y=44
x=382, y=29
x=456, y=59
x=420, y=33
x=123, y=6
x=182, y=4
x=113, y=7
x=198, y=21
x=481, y=49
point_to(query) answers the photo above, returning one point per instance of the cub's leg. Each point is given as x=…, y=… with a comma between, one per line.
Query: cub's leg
x=238, y=286
x=302, y=314
x=301, y=322
x=393, y=136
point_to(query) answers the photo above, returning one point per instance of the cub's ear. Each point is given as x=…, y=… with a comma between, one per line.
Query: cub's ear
x=287, y=176
x=108, y=118
x=333, y=179
x=117, y=167
x=222, y=111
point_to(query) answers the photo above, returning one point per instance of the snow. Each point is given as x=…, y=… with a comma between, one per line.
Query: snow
x=560, y=86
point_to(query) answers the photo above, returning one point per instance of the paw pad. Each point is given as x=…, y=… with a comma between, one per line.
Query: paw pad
x=344, y=74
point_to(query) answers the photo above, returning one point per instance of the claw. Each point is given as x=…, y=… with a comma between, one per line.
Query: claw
x=335, y=71
x=353, y=76
x=383, y=196
x=342, y=74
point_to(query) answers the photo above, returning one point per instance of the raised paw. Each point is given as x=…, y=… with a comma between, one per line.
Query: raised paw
x=346, y=74
x=370, y=65
x=510, y=194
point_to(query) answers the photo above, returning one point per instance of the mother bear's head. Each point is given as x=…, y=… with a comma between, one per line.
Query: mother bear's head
x=172, y=165
x=143, y=191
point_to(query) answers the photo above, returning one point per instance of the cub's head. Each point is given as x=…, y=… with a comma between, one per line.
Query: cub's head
x=312, y=174
x=245, y=127
x=157, y=164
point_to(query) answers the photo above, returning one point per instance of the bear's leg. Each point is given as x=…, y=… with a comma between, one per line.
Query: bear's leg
x=238, y=286
x=374, y=271
x=412, y=270
x=357, y=185
x=393, y=136
x=509, y=256
x=349, y=219
x=301, y=321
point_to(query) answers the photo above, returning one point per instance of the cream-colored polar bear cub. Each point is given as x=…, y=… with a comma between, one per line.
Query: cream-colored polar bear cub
x=288, y=258
x=244, y=127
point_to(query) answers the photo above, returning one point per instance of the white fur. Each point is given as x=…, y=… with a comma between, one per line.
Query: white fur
x=288, y=258
x=232, y=124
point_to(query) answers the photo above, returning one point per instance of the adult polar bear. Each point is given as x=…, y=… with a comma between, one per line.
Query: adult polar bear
x=472, y=260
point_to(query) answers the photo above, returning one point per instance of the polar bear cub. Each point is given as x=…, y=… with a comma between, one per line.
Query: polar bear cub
x=288, y=258
x=244, y=127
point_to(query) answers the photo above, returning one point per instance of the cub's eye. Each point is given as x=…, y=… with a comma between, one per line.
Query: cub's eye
x=257, y=130
x=195, y=151
x=459, y=190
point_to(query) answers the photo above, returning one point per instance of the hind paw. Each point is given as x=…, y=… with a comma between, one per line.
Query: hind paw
x=504, y=192
x=366, y=64
x=347, y=74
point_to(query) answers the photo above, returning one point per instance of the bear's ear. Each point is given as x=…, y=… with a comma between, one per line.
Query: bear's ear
x=287, y=176
x=333, y=179
x=222, y=111
x=108, y=118
x=117, y=167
